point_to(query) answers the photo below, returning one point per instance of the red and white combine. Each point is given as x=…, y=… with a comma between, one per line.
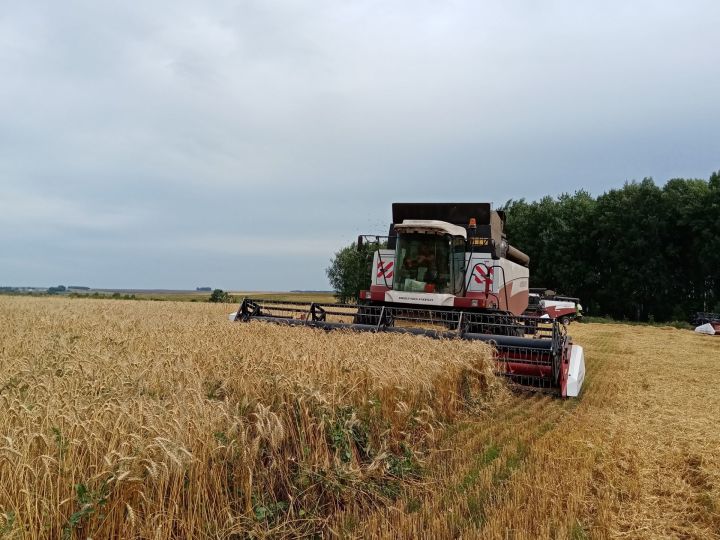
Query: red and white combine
x=446, y=270
x=707, y=323
x=545, y=302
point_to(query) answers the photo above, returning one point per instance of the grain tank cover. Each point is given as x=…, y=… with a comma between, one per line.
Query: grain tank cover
x=490, y=223
x=455, y=213
x=488, y=235
x=432, y=226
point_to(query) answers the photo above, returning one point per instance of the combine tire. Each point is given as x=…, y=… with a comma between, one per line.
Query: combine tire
x=365, y=315
x=531, y=327
x=503, y=325
x=517, y=330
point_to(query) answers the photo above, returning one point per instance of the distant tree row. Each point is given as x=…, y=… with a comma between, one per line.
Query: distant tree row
x=641, y=252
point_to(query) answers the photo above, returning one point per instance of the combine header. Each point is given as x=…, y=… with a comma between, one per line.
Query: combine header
x=446, y=270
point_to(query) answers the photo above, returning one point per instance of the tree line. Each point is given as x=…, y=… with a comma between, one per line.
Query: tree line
x=642, y=252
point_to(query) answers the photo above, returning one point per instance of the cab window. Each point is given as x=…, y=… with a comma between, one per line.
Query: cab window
x=424, y=263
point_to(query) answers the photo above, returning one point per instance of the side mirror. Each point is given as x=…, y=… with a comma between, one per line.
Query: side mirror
x=360, y=241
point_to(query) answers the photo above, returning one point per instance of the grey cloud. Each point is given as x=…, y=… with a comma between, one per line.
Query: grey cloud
x=172, y=141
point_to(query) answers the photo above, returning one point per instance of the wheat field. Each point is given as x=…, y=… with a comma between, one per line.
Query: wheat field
x=159, y=420
x=124, y=419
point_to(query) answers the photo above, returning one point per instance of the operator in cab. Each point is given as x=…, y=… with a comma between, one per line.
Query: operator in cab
x=421, y=267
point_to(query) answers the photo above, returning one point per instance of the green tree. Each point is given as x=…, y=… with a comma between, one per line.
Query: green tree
x=349, y=271
x=221, y=297
x=633, y=234
x=639, y=252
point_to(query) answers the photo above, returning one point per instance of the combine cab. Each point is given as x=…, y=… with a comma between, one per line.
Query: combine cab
x=447, y=271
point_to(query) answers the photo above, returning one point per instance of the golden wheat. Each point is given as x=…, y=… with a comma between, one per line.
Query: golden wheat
x=637, y=456
x=164, y=420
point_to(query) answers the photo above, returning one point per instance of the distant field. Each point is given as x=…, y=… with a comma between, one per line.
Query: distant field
x=201, y=296
x=131, y=419
x=327, y=298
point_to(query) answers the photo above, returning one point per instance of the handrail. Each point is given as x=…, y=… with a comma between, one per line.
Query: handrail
x=382, y=264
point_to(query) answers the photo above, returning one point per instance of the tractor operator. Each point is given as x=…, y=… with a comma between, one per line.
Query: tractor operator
x=422, y=266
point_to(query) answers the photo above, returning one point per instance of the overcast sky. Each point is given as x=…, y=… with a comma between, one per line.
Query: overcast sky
x=238, y=144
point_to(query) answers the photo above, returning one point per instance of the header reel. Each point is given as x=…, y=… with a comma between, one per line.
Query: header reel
x=530, y=351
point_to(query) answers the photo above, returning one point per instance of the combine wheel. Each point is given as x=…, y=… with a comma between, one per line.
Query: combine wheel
x=365, y=315
x=565, y=320
x=501, y=324
x=531, y=327
x=510, y=326
x=517, y=329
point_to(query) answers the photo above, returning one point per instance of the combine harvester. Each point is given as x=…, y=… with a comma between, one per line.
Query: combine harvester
x=707, y=323
x=446, y=270
x=546, y=302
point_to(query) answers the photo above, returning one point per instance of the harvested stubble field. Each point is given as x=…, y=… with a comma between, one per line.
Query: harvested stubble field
x=164, y=420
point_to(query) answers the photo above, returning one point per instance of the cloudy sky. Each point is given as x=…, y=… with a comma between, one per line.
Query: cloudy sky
x=238, y=144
